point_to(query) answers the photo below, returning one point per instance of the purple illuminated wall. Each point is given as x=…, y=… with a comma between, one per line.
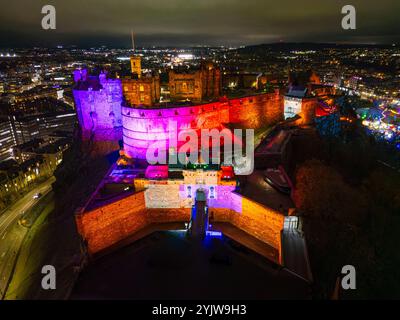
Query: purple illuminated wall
x=98, y=105
x=142, y=127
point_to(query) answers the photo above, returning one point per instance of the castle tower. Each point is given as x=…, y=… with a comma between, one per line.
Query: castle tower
x=136, y=61
x=136, y=65
x=98, y=104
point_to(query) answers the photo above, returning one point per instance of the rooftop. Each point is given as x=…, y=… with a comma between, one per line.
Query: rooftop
x=255, y=188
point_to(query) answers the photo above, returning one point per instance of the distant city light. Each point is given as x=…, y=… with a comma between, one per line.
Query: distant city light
x=186, y=56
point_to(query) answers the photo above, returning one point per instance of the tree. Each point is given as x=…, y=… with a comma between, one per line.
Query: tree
x=333, y=213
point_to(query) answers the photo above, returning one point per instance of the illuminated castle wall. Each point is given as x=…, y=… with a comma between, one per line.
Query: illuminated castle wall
x=102, y=110
x=198, y=85
x=170, y=200
x=143, y=91
x=140, y=89
x=127, y=108
x=142, y=126
x=98, y=106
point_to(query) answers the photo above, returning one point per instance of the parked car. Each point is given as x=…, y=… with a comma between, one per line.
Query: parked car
x=37, y=195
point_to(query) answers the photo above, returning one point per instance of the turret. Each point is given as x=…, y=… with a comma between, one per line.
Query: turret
x=136, y=65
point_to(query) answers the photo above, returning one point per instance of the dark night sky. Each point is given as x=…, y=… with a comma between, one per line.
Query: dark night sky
x=191, y=22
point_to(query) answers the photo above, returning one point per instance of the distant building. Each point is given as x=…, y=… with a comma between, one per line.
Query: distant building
x=195, y=85
x=7, y=139
x=52, y=148
x=29, y=127
x=244, y=80
x=36, y=93
x=21, y=129
x=23, y=152
x=39, y=105
x=35, y=160
x=303, y=78
x=301, y=100
x=16, y=177
x=136, y=65
x=139, y=89
x=293, y=102
x=353, y=82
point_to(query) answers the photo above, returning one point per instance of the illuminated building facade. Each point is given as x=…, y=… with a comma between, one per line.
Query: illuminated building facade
x=301, y=101
x=30, y=127
x=140, y=89
x=136, y=65
x=7, y=139
x=16, y=177
x=20, y=129
x=195, y=85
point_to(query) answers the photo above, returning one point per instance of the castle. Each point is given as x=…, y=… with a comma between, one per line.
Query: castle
x=128, y=109
x=133, y=200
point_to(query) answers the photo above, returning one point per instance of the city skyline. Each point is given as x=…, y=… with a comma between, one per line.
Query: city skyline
x=183, y=23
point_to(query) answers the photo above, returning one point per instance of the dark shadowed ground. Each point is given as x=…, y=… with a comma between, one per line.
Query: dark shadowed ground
x=167, y=265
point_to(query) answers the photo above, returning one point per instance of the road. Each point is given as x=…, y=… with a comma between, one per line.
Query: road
x=12, y=234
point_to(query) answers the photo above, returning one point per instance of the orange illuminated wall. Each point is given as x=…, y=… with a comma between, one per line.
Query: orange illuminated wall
x=143, y=91
x=107, y=225
x=256, y=111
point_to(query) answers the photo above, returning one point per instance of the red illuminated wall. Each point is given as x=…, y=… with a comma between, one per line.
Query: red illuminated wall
x=142, y=127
